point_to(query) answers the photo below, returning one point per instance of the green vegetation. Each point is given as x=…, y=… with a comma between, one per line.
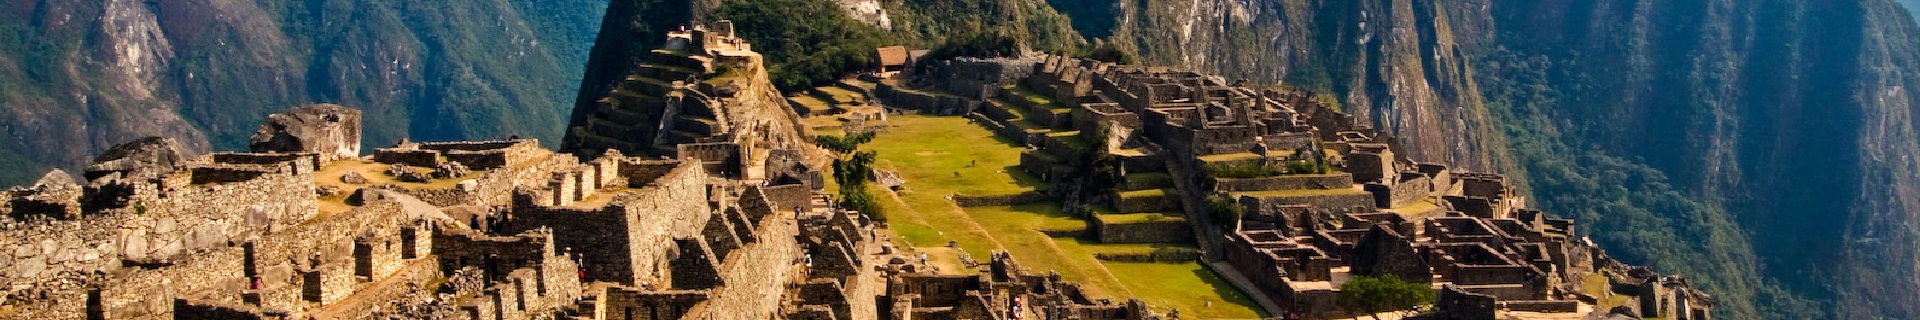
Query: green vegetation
x=1130, y=218
x=1188, y=287
x=941, y=156
x=1111, y=53
x=975, y=44
x=852, y=169
x=930, y=23
x=1633, y=209
x=807, y=43
x=843, y=145
x=1371, y=295
x=1223, y=208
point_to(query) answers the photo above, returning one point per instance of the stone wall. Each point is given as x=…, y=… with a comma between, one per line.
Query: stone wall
x=1546, y=306
x=790, y=197
x=1401, y=193
x=411, y=157
x=487, y=155
x=924, y=102
x=976, y=78
x=1168, y=200
x=618, y=303
x=1337, y=203
x=322, y=260
x=1157, y=256
x=630, y=239
x=756, y=274
x=1456, y=303
x=160, y=224
x=1284, y=182
x=216, y=310
x=1011, y=133
x=1168, y=229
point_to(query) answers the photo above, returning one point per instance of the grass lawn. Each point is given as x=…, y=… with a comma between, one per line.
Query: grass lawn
x=929, y=151
x=1143, y=193
x=1036, y=98
x=840, y=95
x=1184, y=286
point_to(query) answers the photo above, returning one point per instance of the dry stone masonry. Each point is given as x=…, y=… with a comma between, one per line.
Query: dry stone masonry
x=733, y=223
x=691, y=192
x=1295, y=196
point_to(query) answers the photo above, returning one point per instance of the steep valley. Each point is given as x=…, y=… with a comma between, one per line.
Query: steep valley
x=1766, y=149
x=1749, y=144
x=82, y=76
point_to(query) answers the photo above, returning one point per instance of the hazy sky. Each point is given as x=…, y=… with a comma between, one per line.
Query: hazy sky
x=1911, y=4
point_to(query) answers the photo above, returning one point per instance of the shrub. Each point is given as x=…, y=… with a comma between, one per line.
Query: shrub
x=1371, y=295
x=1244, y=170
x=1109, y=52
x=1224, y=210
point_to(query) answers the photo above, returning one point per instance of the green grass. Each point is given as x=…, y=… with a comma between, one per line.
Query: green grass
x=812, y=103
x=1184, y=286
x=1229, y=157
x=841, y=95
x=1035, y=98
x=1072, y=140
x=1149, y=179
x=927, y=151
x=1143, y=193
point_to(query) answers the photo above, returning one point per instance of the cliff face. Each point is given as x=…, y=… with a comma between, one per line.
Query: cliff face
x=82, y=76
x=1765, y=148
x=1397, y=62
x=1790, y=116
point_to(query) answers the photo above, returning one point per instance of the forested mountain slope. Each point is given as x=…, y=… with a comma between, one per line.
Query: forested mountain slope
x=1766, y=149
x=77, y=77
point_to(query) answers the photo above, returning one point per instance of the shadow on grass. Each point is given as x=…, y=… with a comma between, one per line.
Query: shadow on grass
x=1227, y=291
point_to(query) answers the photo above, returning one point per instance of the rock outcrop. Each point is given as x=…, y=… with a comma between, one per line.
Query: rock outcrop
x=143, y=158
x=331, y=130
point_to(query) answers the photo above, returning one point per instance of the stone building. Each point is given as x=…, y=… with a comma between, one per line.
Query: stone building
x=1318, y=197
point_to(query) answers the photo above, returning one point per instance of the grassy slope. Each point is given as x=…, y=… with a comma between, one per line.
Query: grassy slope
x=927, y=151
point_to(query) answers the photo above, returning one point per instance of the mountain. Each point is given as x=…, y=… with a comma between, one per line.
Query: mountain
x=1765, y=149
x=1910, y=5
x=78, y=77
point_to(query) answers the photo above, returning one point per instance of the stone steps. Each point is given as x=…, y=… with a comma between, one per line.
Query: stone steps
x=660, y=71
x=647, y=86
x=695, y=124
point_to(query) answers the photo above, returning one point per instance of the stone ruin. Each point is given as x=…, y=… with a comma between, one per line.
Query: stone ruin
x=719, y=212
x=732, y=225
x=913, y=293
x=1321, y=197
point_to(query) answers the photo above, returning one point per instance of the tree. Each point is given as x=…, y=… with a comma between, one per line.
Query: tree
x=806, y=42
x=851, y=169
x=1109, y=52
x=1371, y=295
